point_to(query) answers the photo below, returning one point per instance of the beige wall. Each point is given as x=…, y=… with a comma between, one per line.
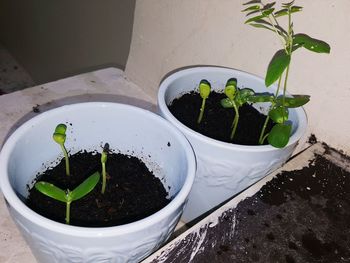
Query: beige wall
x=169, y=34
x=54, y=39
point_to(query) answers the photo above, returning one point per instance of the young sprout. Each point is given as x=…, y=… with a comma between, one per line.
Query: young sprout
x=59, y=136
x=68, y=196
x=204, y=91
x=267, y=16
x=103, y=162
x=235, y=99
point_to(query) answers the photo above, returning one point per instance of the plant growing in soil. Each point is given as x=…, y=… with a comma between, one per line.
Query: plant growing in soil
x=59, y=136
x=104, y=154
x=235, y=99
x=204, y=91
x=267, y=17
x=67, y=196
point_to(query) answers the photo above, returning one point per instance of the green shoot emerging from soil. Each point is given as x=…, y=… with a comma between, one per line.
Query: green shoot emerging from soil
x=59, y=136
x=204, y=91
x=68, y=196
x=103, y=162
x=235, y=99
x=266, y=16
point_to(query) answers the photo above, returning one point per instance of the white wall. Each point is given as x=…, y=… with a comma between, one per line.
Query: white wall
x=169, y=34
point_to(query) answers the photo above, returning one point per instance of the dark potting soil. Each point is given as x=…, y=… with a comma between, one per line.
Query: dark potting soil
x=132, y=191
x=217, y=121
x=299, y=216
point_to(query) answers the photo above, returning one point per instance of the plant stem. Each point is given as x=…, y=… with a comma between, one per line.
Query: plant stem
x=235, y=121
x=201, y=112
x=68, y=213
x=103, y=178
x=262, y=137
x=66, y=159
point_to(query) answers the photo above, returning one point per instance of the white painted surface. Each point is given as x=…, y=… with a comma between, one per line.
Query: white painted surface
x=168, y=35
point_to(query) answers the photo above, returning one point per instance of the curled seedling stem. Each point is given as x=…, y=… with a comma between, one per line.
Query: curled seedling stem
x=204, y=91
x=103, y=162
x=67, y=196
x=59, y=136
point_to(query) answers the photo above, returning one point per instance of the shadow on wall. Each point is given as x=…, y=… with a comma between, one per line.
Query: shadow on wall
x=56, y=39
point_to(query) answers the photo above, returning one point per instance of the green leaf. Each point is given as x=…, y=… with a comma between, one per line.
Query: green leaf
x=287, y=5
x=282, y=12
x=295, y=9
x=227, y=103
x=61, y=128
x=278, y=64
x=253, y=2
x=311, y=44
x=269, y=5
x=252, y=12
x=293, y=102
x=261, y=98
x=59, y=135
x=231, y=88
x=252, y=8
x=51, y=191
x=261, y=26
x=243, y=96
x=268, y=12
x=254, y=19
x=204, y=88
x=279, y=135
x=85, y=187
x=279, y=114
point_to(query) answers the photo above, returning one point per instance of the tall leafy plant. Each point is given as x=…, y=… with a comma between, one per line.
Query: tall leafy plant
x=268, y=17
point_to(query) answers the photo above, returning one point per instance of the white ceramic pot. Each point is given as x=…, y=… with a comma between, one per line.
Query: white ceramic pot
x=126, y=128
x=224, y=169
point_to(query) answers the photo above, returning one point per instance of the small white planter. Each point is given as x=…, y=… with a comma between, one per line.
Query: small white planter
x=126, y=128
x=224, y=169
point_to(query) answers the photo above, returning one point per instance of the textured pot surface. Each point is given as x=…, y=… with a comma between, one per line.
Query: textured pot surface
x=225, y=169
x=127, y=129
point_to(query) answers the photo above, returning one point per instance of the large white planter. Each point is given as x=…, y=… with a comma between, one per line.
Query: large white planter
x=126, y=128
x=224, y=169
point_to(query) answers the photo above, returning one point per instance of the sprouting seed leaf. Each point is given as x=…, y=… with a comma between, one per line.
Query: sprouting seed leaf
x=279, y=114
x=51, y=191
x=231, y=88
x=59, y=138
x=294, y=102
x=279, y=135
x=311, y=44
x=227, y=103
x=85, y=187
x=278, y=64
x=282, y=12
x=204, y=89
x=253, y=2
x=252, y=8
x=295, y=9
x=61, y=128
x=261, y=98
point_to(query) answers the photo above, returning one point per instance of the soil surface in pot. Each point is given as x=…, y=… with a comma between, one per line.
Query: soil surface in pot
x=132, y=191
x=299, y=216
x=217, y=121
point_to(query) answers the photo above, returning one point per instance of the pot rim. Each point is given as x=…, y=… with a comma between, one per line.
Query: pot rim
x=164, y=85
x=15, y=202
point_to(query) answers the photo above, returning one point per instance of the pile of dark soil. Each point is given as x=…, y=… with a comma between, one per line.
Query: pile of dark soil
x=217, y=121
x=132, y=191
x=299, y=216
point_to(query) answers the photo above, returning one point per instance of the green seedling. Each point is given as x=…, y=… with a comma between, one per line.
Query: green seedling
x=59, y=136
x=68, y=196
x=204, y=91
x=266, y=16
x=104, y=154
x=235, y=99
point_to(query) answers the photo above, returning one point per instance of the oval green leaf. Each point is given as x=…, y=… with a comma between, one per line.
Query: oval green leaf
x=61, y=128
x=51, y=191
x=261, y=98
x=311, y=44
x=279, y=114
x=227, y=103
x=85, y=187
x=293, y=102
x=204, y=89
x=278, y=64
x=279, y=135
